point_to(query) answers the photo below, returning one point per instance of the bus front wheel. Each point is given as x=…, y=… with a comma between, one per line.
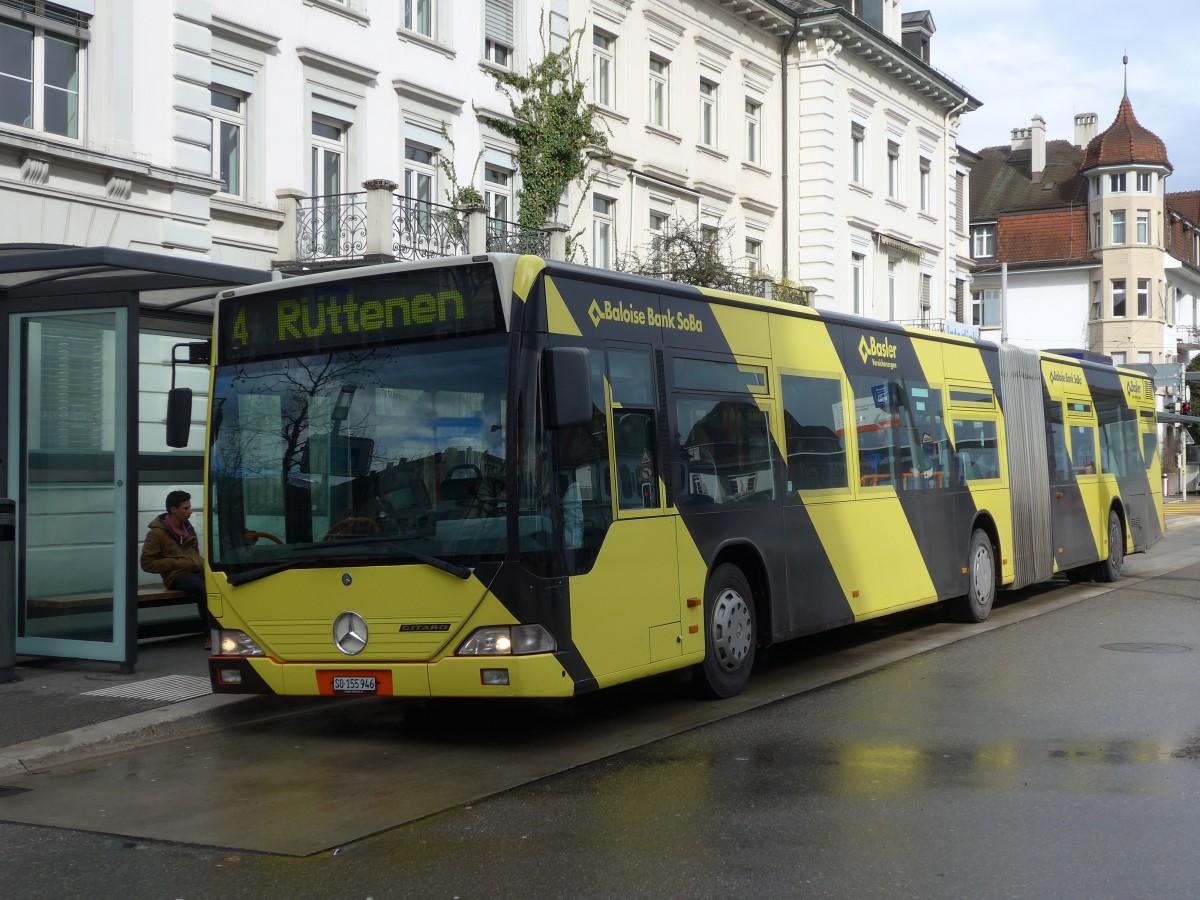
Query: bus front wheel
x=976, y=604
x=730, y=634
x=1109, y=569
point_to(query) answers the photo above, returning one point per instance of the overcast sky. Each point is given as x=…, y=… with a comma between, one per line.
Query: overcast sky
x=1057, y=58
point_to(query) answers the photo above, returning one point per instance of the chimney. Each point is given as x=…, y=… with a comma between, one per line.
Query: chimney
x=1037, y=162
x=1021, y=138
x=1085, y=129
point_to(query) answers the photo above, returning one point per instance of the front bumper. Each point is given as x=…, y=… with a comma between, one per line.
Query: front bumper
x=539, y=675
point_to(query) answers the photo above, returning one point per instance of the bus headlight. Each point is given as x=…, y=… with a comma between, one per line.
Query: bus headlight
x=508, y=640
x=236, y=643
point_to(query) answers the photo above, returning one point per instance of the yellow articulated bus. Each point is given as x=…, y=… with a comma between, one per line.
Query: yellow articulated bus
x=503, y=476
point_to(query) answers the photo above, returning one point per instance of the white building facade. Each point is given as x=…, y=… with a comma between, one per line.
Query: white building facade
x=288, y=133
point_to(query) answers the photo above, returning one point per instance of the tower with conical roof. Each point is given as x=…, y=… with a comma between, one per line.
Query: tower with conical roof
x=1125, y=166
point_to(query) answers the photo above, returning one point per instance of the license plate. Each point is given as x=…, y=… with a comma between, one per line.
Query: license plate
x=354, y=684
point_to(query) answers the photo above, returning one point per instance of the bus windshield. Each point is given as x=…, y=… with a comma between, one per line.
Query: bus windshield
x=375, y=455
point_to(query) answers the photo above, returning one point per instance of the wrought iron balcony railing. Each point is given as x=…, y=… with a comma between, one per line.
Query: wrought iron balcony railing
x=331, y=227
x=509, y=237
x=424, y=230
x=337, y=229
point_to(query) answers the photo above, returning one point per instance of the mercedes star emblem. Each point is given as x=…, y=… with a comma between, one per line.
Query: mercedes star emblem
x=350, y=633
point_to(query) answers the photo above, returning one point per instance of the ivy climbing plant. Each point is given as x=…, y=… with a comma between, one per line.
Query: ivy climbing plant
x=554, y=127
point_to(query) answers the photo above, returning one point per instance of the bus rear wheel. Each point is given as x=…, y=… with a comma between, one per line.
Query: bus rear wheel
x=976, y=604
x=1109, y=569
x=730, y=634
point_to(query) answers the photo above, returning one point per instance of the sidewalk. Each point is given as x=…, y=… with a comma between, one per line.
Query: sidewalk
x=52, y=711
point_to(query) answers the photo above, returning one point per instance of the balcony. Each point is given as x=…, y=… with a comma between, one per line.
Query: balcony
x=378, y=225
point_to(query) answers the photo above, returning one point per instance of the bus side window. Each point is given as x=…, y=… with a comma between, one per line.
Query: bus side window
x=1083, y=450
x=631, y=376
x=976, y=448
x=637, y=468
x=1056, y=444
x=816, y=444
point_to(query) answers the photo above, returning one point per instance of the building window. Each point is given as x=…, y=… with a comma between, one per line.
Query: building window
x=660, y=99
x=1143, y=297
x=657, y=225
x=1144, y=358
x=1118, y=226
x=497, y=193
x=985, y=308
x=753, y=119
x=228, y=126
x=926, y=185
x=753, y=256
x=328, y=152
x=984, y=242
x=858, y=136
x=926, y=296
x=708, y=113
x=1118, y=298
x=857, y=284
x=893, y=288
x=1144, y=182
x=603, y=217
x=420, y=182
x=893, y=170
x=1096, y=185
x=1116, y=183
x=498, y=32
x=39, y=80
x=1098, y=229
x=1143, y=226
x=1118, y=358
x=418, y=16
x=603, y=47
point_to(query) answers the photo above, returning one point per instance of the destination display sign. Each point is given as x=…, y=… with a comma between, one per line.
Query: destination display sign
x=359, y=311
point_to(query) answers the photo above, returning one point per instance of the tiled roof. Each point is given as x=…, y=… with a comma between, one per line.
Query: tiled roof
x=1001, y=181
x=1186, y=203
x=1058, y=236
x=1125, y=142
x=1183, y=214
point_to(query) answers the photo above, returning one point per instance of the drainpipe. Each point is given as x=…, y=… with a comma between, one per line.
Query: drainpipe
x=783, y=62
x=952, y=246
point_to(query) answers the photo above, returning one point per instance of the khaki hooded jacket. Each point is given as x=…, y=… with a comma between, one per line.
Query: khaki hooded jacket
x=166, y=554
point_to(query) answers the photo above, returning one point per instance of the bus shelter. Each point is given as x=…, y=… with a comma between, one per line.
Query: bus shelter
x=87, y=336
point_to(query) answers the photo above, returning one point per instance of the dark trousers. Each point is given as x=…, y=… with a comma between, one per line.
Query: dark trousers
x=193, y=586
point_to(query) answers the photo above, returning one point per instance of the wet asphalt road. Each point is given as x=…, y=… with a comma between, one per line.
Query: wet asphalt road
x=1057, y=757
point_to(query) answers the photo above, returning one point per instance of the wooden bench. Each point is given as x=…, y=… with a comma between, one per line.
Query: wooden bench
x=149, y=596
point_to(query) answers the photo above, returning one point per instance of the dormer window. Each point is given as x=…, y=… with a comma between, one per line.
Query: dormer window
x=983, y=241
x=1116, y=183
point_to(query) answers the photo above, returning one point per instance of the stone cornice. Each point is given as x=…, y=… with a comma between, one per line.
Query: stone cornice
x=885, y=56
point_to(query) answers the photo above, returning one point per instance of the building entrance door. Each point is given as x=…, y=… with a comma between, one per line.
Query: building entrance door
x=67, y=435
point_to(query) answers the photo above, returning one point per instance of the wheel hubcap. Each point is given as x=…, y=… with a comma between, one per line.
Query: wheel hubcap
x=982, y=574
x=732, y=633
x=1114, y=546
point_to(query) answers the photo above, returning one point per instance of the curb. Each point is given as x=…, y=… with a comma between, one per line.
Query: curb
x=185, y=718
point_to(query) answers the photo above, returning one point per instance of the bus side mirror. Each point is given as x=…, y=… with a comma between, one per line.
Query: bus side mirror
x=568, y=379
x=179, y=416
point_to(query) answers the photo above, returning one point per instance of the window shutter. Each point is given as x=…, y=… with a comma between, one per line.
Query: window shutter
x=958, y=301
x=958, y=201
x=498, y=21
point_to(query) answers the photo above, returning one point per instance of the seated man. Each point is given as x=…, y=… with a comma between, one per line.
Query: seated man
x=173, y=551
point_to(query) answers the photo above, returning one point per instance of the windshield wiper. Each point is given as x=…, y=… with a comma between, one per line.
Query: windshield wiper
x=261, y=572
x=454, y=569
x=445, y=565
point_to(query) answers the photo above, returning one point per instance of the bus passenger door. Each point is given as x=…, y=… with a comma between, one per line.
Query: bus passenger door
x=1085, y=472
x=627, y=608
